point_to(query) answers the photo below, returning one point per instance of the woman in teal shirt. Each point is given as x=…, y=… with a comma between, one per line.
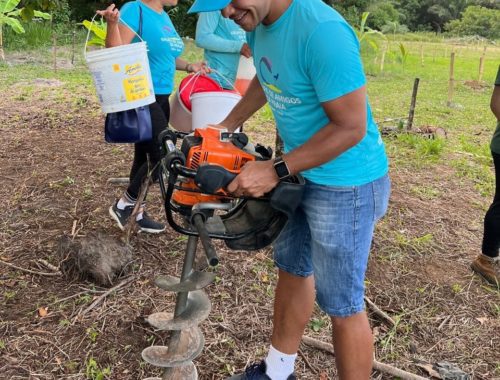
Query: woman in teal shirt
x=148, y=19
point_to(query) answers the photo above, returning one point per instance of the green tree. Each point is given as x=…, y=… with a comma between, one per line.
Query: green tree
x=382, y=13
x=477, y=20
x=10, y=16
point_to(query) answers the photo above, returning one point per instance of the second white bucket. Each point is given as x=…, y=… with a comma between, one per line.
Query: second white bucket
x=122, y=77
x=212, y=107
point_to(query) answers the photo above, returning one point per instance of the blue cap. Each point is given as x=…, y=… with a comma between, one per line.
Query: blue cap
x=208, y=5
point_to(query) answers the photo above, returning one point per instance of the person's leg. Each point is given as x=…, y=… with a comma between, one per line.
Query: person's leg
x=293, y=306
x=341, y=221
x=491, y=238
x=146, y=156
x=487, y=264
x=353, y=344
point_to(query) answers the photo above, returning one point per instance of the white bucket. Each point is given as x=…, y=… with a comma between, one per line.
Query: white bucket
x=180, y=116
x=212, y=107
x=122, y=77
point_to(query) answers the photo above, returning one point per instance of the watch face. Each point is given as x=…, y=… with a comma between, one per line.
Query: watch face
x=281, y=169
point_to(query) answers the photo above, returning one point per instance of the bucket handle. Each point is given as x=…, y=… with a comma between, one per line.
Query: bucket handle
x=90, y=28
x=219, y=74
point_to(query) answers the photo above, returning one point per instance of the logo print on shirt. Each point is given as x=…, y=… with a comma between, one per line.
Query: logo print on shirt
x=167, y=28
x=266, y=72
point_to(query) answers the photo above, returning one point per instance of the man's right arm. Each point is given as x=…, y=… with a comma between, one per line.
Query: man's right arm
x=206, y=38
x=253, y=100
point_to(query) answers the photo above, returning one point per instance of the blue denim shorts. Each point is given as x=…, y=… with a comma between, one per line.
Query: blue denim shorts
x=330, y=237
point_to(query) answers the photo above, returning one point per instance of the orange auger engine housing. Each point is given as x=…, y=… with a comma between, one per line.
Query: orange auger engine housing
x=209, y=146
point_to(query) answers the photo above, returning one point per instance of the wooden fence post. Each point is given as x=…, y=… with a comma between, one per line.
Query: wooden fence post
x=481, y=64
x=449, y=103
x=73, y=44
x=382, y=59
x=412, y=105
x=54, y=49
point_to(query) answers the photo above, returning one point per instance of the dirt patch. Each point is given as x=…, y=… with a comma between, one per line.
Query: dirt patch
x=54, y=170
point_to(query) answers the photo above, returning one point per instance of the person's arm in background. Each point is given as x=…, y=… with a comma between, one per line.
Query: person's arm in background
x=183, y=65
x=208, y=40
x=495, y=102
x=116, y=33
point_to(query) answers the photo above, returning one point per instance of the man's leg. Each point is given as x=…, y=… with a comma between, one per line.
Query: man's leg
x=352, y=338
x=293, y=306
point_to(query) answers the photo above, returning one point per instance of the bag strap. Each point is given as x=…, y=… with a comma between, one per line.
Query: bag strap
x=140, y=21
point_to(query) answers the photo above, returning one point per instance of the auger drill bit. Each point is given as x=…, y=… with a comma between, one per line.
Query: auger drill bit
x=191, y=308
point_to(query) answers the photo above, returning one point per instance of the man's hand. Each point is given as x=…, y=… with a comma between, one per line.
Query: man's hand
x=245, y=51
x=111, y=14
x=255, y=179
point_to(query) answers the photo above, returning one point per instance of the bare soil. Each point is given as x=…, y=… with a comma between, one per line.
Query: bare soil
x=54, y=171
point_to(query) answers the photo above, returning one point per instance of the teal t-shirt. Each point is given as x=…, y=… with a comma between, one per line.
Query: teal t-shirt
x=222, y=39
x=495, y=141
x=164, y=44
x=308, y=56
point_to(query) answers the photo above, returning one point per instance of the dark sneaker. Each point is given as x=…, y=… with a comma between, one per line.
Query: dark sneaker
x=256, y=371
x=120, y=216
x=146, y=224
x=488, y=268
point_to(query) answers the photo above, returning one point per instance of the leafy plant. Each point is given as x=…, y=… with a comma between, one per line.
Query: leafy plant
x=366, y=33
x=98, y=30
x=94, y=372
x=10, y=15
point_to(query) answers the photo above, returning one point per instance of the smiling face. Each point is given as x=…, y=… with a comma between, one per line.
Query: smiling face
x=248, y=13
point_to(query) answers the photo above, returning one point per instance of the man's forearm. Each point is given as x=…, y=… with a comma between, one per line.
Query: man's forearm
x=495, y=102
x=252, y=101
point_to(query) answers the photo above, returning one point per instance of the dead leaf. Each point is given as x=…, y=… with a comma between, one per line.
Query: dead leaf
x=482, y=320
x=430, y=370
x=43, y=311
x=323, y=376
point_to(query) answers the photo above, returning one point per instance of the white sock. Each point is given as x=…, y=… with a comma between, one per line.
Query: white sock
x=123, y=203
x=279, y=365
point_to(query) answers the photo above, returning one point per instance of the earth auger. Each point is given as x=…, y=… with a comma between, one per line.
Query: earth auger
x=192, y=182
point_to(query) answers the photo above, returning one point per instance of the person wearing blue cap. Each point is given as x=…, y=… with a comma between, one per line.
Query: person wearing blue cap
x=310, y=73
x=223, y=42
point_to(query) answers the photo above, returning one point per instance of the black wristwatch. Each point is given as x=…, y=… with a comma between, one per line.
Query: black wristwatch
x=281, y=168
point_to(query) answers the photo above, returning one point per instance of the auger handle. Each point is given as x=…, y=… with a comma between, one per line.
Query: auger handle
x=211, y=178
x=199, y=223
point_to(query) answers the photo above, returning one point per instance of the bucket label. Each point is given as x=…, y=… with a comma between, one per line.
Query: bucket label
x=133, y=69
x=136, y=88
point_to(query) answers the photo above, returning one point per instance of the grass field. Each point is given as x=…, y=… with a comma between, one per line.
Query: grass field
x=55, y=166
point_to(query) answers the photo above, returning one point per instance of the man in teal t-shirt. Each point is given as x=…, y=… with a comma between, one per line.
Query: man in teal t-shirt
x=487, y=264
x=223, y=41
x=310, y=73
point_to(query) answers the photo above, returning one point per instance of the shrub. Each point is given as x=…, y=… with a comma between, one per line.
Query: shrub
x=477, y=20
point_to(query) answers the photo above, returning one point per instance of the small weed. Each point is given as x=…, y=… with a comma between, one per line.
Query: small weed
x=9, y=294
x=2, y=344
x=83, y=299
x=88, y=193
x=68, y=181
x=457, y=288
x=425, y=192
x=64, y=322
x=317, y=324
x=94, y=372
x=92, y=333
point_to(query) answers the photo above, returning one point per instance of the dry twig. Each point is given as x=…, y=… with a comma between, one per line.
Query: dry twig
x=378, y=366
x=380, y=312
x=29, y=270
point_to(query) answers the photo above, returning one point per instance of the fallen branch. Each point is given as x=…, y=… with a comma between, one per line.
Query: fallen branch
x=118, y=180
x=103, y=296
x=378, y=366
x=380, y=312
x=29, y=270
x=49, y=266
